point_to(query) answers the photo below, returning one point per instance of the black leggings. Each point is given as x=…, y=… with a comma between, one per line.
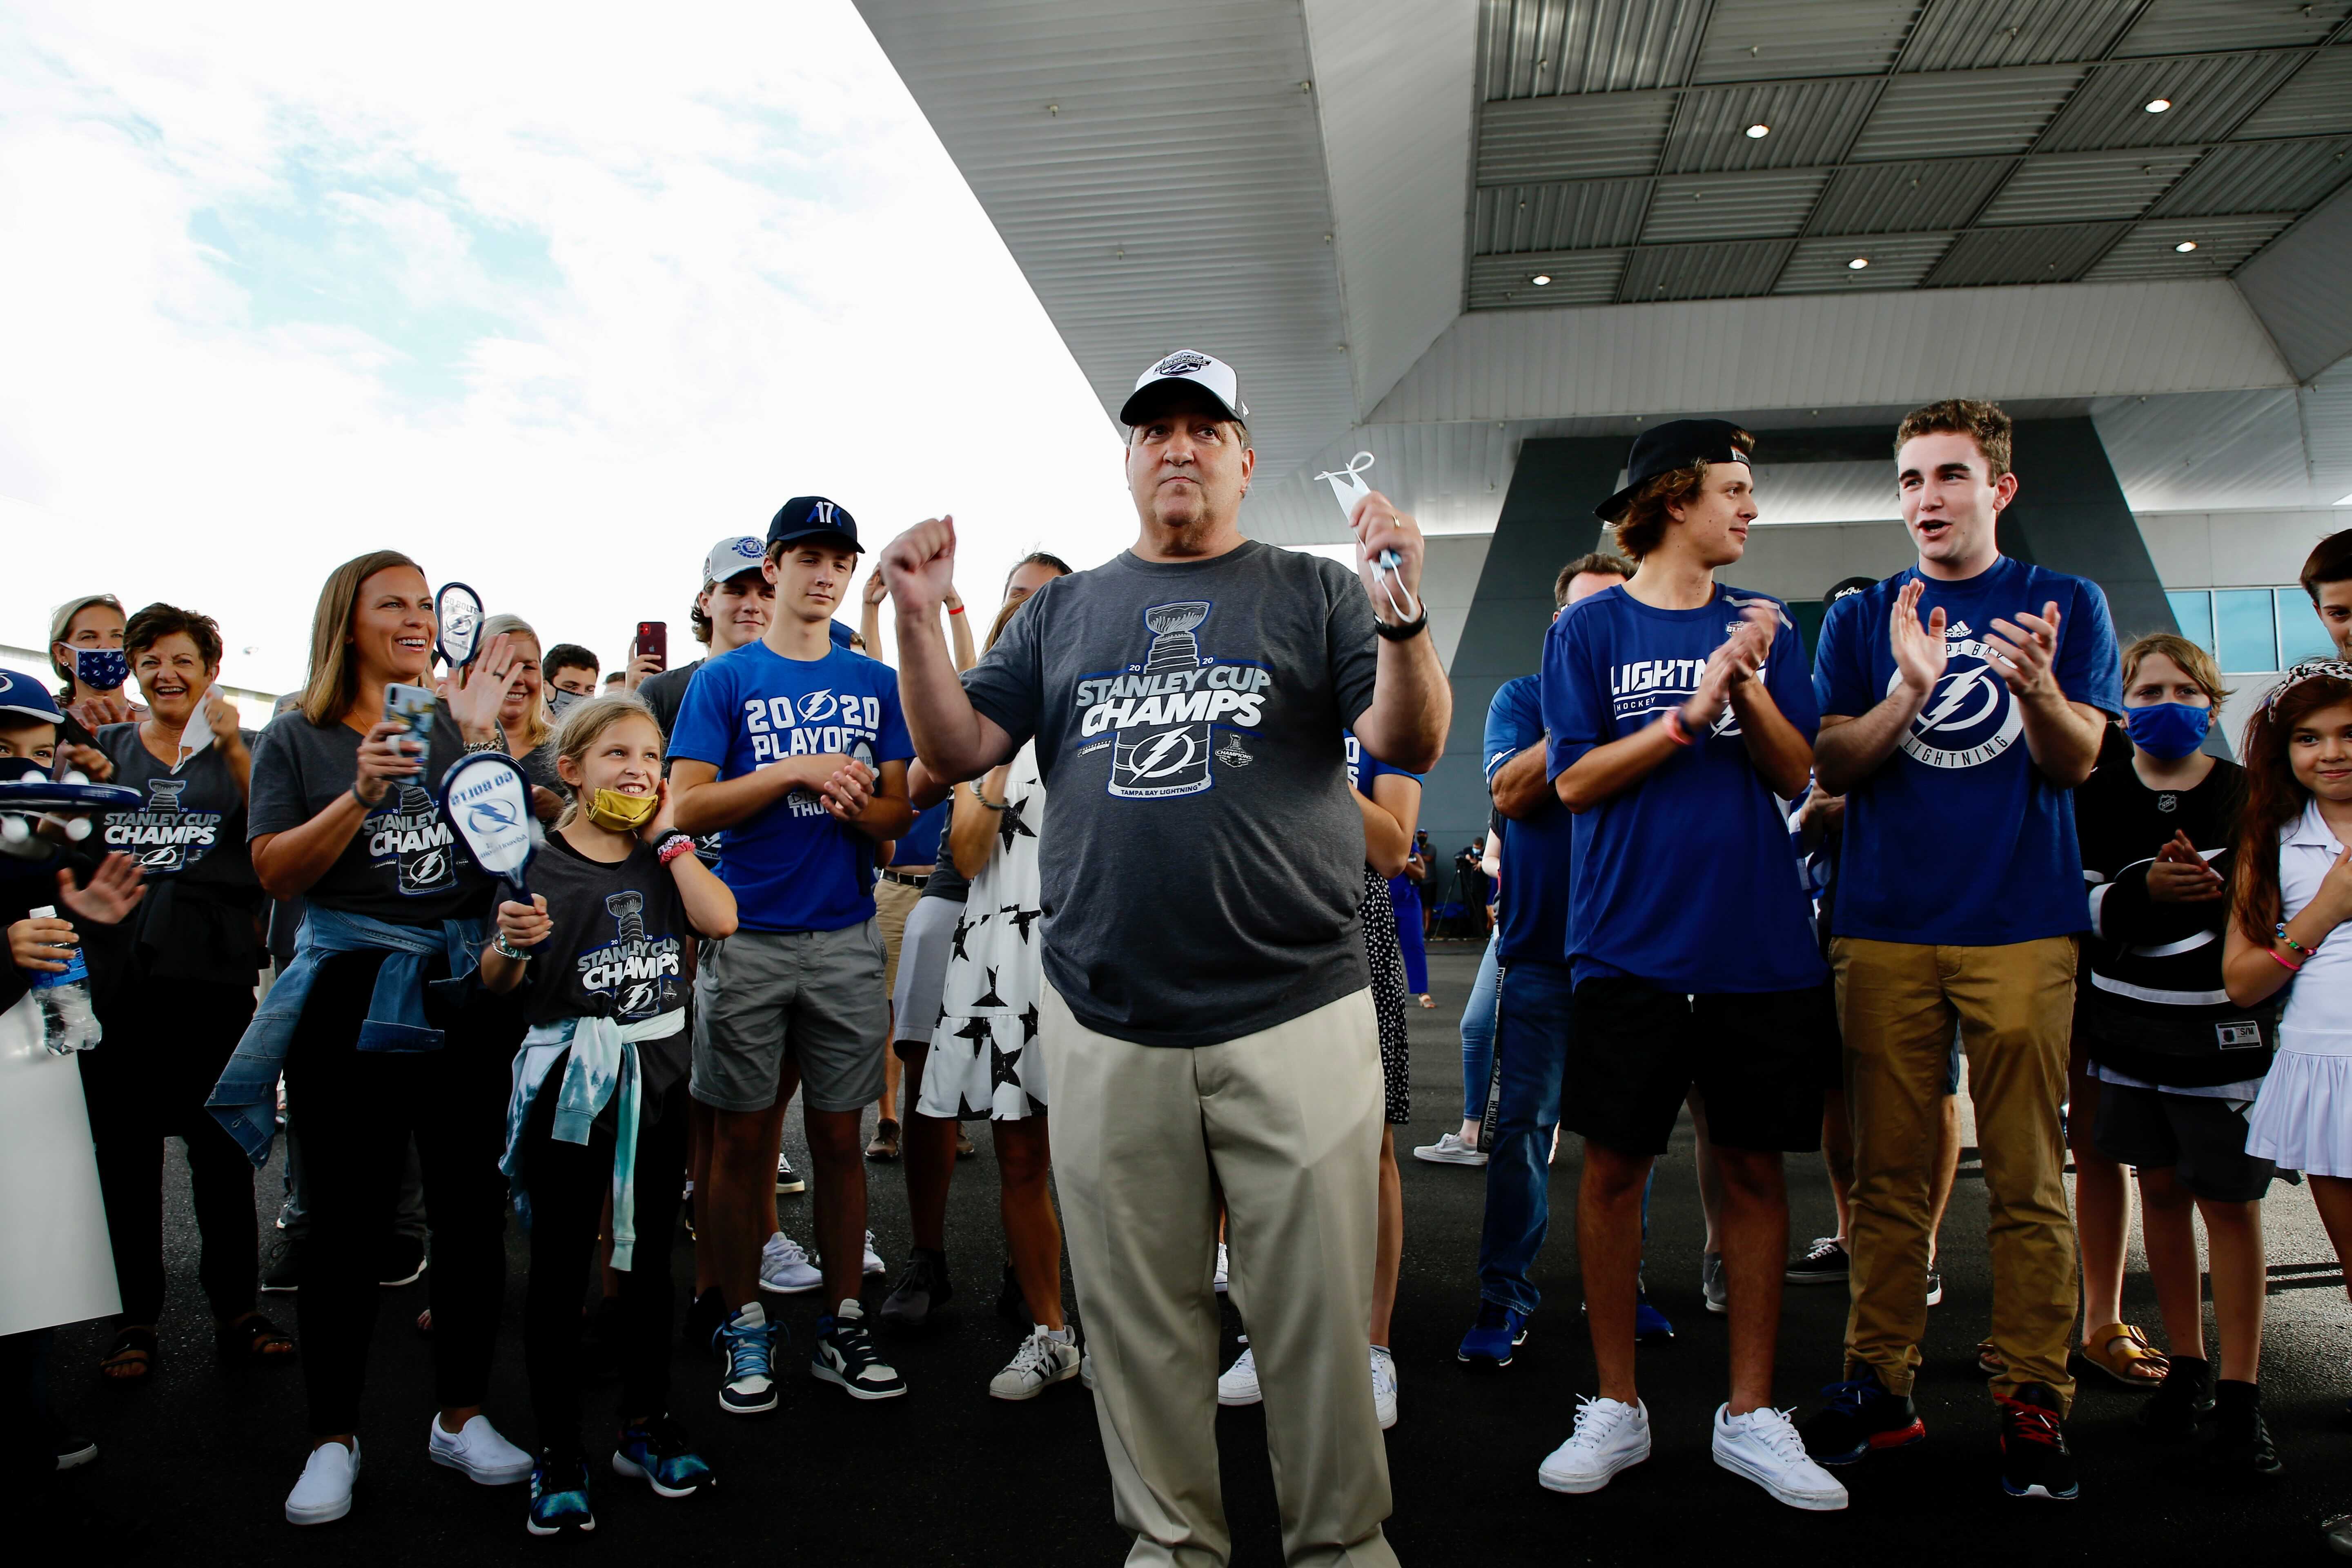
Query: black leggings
x=568, y=1183
x=358, y=1110
x=162, y=1050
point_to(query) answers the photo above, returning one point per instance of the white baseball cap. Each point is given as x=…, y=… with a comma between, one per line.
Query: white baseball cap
x=733, y=557
x=1211, y=375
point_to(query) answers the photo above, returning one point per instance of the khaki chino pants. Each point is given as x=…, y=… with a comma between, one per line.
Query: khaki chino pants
x=1286, y=1122
x=2014, y=1005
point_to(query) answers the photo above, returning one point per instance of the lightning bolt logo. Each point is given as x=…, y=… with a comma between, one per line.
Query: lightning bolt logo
x=1957, y=692
x=1152, y=759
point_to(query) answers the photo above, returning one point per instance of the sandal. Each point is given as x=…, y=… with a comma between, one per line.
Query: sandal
x=252, y=1338
x=132, y=1357
x=1990, y=1362
x=2121, y=1353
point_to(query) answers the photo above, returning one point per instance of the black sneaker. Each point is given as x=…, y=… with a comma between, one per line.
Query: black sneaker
x=2242, y=1439
x=788, y=1181
x=1824, y=1263
x=401, y=1261
x=2184, y=1398
x=1858, y=1417
x=845, y=1355
x=72, y=1450
x=2034, y=1459
x=1934, y=1286
x=281, y=1269
x=921, y=1290
x=705, y=1316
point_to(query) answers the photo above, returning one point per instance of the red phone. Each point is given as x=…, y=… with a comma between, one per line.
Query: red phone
x=653, y=637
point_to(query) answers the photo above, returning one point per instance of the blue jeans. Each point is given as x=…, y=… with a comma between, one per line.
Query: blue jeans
x=1533, y=1019
x=1478, y=1035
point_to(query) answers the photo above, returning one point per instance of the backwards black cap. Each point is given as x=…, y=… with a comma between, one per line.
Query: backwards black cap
x=804, y=516
x=1663, y=449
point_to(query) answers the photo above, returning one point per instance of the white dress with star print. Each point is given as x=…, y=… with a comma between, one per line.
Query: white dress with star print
x=984, y=1059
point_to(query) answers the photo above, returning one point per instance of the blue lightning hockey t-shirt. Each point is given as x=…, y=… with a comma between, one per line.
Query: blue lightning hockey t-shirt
x=919, y=845
x=1538, y=850
x=793, y=867
x=1958, y=838
x=1686, y=879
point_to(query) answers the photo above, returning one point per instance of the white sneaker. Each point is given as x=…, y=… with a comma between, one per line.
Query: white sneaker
x=785, y=1268
x=1045, y=1359
x=1238, y=1383
x=324, y=1492
x=1764, y=1446
x=1224, y=1275
x=1087, y=1371
x=1610, y=1434
x=1384, y=1386
x=479, y=1450
x=1449, y=1150
x=872, y=1258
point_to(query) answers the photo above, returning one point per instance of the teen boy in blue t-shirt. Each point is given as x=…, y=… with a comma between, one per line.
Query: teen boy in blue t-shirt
x=795, y=747
x=1677, y=709
x=1961, y=700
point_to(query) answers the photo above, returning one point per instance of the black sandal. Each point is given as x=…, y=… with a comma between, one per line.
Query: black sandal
x=133, y=1351
x=252, y=1340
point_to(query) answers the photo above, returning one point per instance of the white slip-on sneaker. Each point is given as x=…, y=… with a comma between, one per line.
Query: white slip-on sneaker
x=1224, y=1275
x=479, y=1450
x=1449, y=1150
x=872, y=1258
x=324, y=1492
x=1763, y=1445
x=785, y=1268
x=1045, y=1359
x=1237, y=1385
x=1610, y=1434
x=1384, y=1386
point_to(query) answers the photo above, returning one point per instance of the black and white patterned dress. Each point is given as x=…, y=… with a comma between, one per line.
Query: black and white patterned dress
x=1386, y=959
x=984, y=1060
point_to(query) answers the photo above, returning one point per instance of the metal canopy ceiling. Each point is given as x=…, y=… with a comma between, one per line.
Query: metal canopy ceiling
x=1948, y=144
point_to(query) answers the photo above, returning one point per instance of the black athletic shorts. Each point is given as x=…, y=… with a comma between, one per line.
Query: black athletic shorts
x=2202, y=1140
x=1755, y=1056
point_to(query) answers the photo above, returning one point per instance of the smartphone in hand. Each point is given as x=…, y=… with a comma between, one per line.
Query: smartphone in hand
x=653, y=637
x=413, y=705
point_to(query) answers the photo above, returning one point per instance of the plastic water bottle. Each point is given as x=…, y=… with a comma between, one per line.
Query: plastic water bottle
x=68, y=1022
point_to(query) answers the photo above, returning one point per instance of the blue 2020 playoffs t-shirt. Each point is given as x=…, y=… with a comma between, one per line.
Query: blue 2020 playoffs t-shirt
x=1959, y=838
x=1686, y=880
x=1538, y=849
x=793, y=867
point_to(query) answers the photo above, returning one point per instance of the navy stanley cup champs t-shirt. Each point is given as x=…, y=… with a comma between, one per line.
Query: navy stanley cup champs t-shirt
x=1686, y=880
x=1538, y=849
x=1203, y=858
x=791, y=867
x=1958, y=838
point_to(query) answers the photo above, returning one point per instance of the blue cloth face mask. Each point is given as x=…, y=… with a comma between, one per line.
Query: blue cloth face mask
x=2169, y=729
x=102, y=668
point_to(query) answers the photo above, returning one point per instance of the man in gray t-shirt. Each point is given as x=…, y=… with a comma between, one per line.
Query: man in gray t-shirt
x=1207, y=1024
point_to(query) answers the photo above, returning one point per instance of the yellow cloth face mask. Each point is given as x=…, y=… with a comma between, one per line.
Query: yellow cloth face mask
x=618, y=813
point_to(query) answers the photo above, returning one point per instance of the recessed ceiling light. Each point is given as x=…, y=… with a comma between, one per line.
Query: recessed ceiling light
x=1758, y=131
x=2157, y=105
x=2185, y=246
x=1540, y=279
x=1857, y=264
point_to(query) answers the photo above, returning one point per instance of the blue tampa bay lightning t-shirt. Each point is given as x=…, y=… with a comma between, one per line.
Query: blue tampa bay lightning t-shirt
x=1686, y=880
x=1538, y=849
x=793, y=867
x=919, y=845
x=1959, y=838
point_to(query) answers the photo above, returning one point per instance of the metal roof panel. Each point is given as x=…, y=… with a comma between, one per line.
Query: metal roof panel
x=2049, y=253
x=1894, y=198
x=2261, y=177
x=1961, y=113
x=1812, y=122
x=1896, y=261
x=1749, y=39
x=1976, y=35
x=1587, y=137
x=1769, y=204
x=1576, y=215
x=2072, y=188
x=1714, y=271
x=2202, y=26
x=1577, y=278
x=2315, y=101
x=2223, y=244
x=1535, y=48
x=2211, y=95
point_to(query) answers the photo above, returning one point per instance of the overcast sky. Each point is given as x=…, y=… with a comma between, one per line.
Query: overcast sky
x=551, y=298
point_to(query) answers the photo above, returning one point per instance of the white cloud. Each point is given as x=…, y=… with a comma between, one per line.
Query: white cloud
x=549, y=297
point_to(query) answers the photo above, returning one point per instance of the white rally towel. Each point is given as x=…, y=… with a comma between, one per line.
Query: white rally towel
x=56, y=1265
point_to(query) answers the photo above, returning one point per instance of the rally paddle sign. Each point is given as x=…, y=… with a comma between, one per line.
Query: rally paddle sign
x=458, y=609
x=487, y=804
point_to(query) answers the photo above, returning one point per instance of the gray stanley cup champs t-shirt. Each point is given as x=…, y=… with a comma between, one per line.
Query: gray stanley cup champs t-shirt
x=1203, y=856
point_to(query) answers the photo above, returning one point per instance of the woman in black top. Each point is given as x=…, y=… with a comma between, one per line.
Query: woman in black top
x=173, y=989
x=343, y=817
x=2174, y=1064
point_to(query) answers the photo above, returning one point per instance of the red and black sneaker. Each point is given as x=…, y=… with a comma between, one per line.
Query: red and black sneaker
x=2034, y=1458
x=1858, y=1417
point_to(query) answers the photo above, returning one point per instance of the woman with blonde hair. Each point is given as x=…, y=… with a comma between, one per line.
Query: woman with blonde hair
x=524, y=726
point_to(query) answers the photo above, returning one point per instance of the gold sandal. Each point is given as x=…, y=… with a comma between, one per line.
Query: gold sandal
x=2119, y=1352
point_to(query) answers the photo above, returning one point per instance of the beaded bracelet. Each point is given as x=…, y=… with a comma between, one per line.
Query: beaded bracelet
x=500, y=942
x=2274, y=952
x=2291, y=941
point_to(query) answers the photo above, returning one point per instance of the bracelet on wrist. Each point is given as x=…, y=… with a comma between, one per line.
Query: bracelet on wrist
x=1676, y=730
x=1404, y=631
x=2291, y=941
x=2283, y=962
x=500, y=942
x=955, y=609
x=991, y=805
x=489, y=745
x=674, y=845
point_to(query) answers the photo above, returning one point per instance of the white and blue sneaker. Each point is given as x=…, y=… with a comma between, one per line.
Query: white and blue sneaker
x=748, y=1340
x=846, y=1356
x=477, y=1449
x=559, y=1497
x=659, y=1453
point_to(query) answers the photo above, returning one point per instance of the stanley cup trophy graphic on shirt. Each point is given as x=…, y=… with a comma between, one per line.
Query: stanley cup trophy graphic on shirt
x=627, y=911
x=1155, y=761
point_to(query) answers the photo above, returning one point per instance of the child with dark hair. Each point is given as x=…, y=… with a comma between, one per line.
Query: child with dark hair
x=2327, y=578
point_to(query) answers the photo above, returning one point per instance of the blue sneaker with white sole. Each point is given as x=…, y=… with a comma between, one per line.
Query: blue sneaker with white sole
x=1650, y=1325
x=1497, y=1332
x=558, y=1496
x=659, y=1453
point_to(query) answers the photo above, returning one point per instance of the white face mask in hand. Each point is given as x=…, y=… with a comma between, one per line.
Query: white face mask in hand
x=198, y=732
x=1348, y=487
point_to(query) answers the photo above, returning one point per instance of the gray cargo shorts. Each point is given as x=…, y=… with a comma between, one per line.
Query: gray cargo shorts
x=816, y=993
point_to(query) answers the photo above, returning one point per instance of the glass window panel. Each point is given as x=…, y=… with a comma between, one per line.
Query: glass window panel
x=2302, y=634
x=2193, y=610
x=2245, y=639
